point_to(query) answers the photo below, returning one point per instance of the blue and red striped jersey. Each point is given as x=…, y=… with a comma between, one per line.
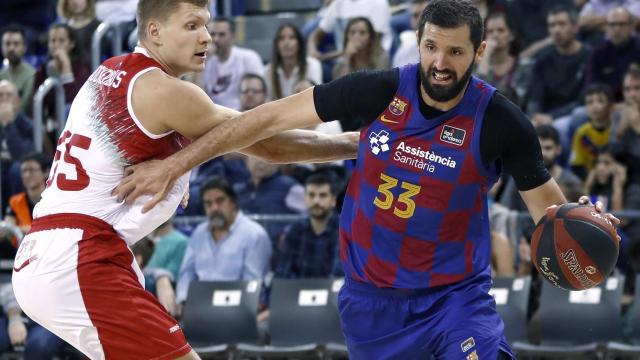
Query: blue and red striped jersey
x=415, y=213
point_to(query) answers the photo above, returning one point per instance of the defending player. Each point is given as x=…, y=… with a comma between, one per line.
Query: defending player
x=74, y=273
x=414, y=229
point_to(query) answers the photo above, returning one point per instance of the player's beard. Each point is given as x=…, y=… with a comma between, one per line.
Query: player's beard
x=442, y=93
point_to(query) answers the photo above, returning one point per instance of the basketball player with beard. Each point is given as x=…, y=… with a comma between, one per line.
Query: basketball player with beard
x=414, y=228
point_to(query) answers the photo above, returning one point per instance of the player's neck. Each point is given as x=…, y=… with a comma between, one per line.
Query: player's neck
x=153, y=53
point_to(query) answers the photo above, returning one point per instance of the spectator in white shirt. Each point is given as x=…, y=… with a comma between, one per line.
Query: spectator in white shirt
x=224, y=70
x=289, y=63
x=407, y=53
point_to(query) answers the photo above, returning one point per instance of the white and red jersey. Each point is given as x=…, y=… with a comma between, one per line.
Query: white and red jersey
x=103, y=136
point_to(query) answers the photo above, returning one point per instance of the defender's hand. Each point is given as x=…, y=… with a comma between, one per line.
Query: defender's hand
x=152, y=177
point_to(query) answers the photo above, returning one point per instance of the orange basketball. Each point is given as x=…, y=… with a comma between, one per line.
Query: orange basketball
x=574, y=247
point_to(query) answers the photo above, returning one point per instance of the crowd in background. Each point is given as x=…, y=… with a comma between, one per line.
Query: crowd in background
x=572, y=66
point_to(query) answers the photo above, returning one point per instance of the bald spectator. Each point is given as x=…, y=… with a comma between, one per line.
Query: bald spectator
x=16, y=138
x=253, y=91
x=593, y=15
x=229, y=63
x=16, y=70
x=620, y=50
x=559, y=69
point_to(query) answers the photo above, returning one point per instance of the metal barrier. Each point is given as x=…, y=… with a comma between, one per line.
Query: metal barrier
x=38, y=109
x=263, y=219
x=116, y=42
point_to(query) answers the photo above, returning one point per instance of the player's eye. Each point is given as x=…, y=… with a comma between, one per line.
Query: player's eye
x=191, y=26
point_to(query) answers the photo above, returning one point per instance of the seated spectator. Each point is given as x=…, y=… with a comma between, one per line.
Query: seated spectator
x=116, y=11
x=253, y=91
x=80, y=15
x=613, y=57
x=34, y=169
x=310, y=247
x=229, y=63
x=488, y=7
x=142, y=251
x=501, y=255
x=65, y=63
x=19, y=72
x=228, y=246
x=606, y=181
x=499, y=63
x=19, y=331
x=591, y=137
x=336, y=17
x=289, y=63
x=627, y=144
x=362, y=49
x=268, y=191
x=407, y=53
x=593, y=16
x=16, y=139
x=559, y=70
x=169, y=249
x=551, y=150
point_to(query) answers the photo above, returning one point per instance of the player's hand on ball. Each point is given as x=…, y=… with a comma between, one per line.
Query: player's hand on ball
x=584, y=200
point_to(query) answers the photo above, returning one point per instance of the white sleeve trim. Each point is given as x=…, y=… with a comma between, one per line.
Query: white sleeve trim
x=130, y=105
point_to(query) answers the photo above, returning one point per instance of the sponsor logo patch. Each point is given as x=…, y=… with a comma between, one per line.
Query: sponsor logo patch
x=397, y=106
x=378, y=142
x=468, y=344
x=452, y=135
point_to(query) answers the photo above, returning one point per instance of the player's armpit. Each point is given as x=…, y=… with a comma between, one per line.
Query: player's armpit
x=163, y=103
x=305, y=146
x=540, y=198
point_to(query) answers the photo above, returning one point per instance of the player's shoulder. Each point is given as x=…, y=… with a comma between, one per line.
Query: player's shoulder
x=501, y=107
x=163, y=86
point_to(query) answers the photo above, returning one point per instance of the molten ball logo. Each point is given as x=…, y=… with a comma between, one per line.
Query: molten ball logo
x=590, y=270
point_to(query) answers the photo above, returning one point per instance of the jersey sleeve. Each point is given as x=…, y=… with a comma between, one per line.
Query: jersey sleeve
x=357, y=98
x=508, y=135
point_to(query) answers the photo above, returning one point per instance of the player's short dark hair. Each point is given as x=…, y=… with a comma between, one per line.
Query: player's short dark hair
x=322, y=178
x=569, y=10
x=40, y=158
x=452, y=14
x=160, y=10
x=228, y=20
x=15, y=28
x=548, y=132
x=251, y=76
x=218, y=183
x=597, y=88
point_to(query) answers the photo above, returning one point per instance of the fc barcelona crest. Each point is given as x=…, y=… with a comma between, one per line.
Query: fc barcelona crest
x=397, y=106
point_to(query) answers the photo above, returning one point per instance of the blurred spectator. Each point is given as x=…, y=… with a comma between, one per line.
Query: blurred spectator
x=223, y=71
x=170, y=246
x=35, y=16
x=310, y=246
x=488, y=7
x=16, y=139
x=18, y=331
x=621, y=49
x=361, y=49
x=591, y=137
x=64, y=63
x=407, y=53
x=142, y=251
x=551, y=149
x=268, y=191
x=499, y=63
x=529, y=18
x=80, y=15
x=34, y=169
x=116, y=11
x=593, y=15
x=606, y=181
x=501, y=255
x=253, y=91
x=228, y=246
x=559, y=70
x=627, y=145
x=289, y=63
x=15, y=69
x=335, y=21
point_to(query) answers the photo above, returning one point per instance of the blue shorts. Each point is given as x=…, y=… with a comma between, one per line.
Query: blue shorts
x=451, y=322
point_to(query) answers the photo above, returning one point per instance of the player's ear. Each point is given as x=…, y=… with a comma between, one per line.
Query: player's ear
x=153, y=32
x=480, y=51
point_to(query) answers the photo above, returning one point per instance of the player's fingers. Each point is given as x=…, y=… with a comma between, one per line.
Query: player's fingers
x=599, y=206
x=129, y=170
x=613, y=219
x=123, y=190
x=584, y=200
x=154, y=201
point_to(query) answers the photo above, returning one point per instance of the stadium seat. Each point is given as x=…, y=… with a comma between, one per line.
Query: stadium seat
x=616, y=350
x=512, y=298
x=576, y=324
x=304, y=320
x=274, y=6
x=220, y=314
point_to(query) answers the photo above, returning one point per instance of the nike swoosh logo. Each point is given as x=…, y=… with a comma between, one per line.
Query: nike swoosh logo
x=17, y=269
x=384, y=119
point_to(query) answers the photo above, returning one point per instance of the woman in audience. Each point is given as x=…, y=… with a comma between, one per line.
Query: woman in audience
x=289, y=63
x=64, y=63
x=80, y=15
x=362, y=49
x=499, y=63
